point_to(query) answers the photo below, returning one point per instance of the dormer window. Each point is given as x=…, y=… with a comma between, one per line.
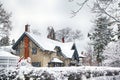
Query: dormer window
x=57, y=48
x=59, y=51
x=34, y=50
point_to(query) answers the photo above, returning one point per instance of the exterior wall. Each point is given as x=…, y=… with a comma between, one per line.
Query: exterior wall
x=43, y=57
x=20, y=49
x=35, y=57
x=67, y=62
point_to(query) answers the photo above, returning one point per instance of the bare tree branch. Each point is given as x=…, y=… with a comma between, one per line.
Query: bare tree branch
x=70, y=0
x=68, y=34
x=74, y=13
x=102, y=6
x=104, y=11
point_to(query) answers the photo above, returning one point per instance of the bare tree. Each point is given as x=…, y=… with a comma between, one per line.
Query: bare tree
x=68, y=34
x=87, y=61
x=35, y=31
x=110, y=8
x=81, y=5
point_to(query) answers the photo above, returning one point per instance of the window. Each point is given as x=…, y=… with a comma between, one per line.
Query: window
x=58, y=49
x=34, y=50
x=36, y=64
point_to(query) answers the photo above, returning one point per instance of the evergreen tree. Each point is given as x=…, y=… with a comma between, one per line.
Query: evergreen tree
x=5, y=41
x=101, y=36
x=5, y=26
x=112, y=54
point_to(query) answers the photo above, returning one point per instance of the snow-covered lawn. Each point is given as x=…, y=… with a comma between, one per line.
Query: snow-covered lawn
x=64, y=73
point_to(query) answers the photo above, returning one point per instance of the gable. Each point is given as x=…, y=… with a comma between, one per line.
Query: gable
x=73, y=47
x=18, y=41
x=21, y=39
x=75, y=54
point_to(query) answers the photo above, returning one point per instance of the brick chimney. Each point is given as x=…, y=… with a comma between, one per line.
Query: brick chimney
x=63, y=40
x=27, y=28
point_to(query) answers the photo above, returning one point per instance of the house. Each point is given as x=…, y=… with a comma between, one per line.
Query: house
x=45, y=52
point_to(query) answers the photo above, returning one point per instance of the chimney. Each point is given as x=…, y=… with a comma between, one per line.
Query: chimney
x=63, y=40
x=27, y=28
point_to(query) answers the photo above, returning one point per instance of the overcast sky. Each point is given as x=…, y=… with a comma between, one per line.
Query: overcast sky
x=40, y=14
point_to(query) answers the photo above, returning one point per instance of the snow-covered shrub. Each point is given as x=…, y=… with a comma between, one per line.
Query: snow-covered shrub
x=116, y=72
x=61, y=73
x=88, y=74
x=75, y=76
x=47, y=76
x=8, y=74
x=109, y=73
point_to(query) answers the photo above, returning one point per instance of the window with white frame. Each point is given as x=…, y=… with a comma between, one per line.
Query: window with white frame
x=34, y=50
x=36, y=64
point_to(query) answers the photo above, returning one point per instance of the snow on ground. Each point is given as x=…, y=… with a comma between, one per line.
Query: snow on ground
x=67, y=73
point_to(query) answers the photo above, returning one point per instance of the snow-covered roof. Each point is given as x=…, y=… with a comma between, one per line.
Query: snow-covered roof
x=82, y=56
x=81, y=45
x=7, y=48
x=48, y=44
x=56, y=60
x=7, y=54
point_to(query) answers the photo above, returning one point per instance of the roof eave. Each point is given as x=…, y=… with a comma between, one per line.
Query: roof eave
x=17, y=42
x=21, y=37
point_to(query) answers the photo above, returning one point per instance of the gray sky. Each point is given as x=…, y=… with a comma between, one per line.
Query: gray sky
x=43, y=13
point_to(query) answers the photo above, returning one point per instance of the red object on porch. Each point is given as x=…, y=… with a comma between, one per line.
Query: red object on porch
x=20, y=59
